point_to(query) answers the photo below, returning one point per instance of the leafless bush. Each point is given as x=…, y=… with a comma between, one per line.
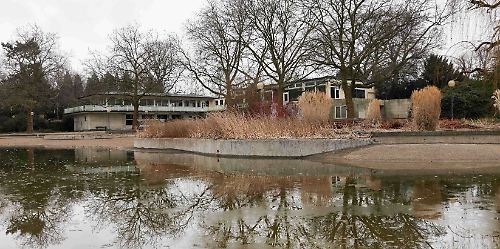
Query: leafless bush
x=230, y=125
x=426, y=108
x=315, y=107
x=374, y=115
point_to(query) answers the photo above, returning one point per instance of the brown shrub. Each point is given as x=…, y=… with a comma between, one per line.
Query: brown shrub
x=426, y=108
x=175, y=128
x=315, y=106
x=455, y=124
x=373, y=115
x=392, y=124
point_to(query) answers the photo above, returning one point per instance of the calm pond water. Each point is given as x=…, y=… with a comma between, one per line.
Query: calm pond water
x=99, y=198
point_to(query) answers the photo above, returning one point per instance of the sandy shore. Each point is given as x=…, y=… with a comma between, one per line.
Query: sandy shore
x=117, y=142
x=418, y=157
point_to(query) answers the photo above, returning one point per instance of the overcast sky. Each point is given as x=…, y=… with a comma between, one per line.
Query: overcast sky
x=85, y=24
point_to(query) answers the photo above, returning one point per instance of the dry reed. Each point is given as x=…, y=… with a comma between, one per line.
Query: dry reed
x=496, y=100
x=426, y=108
x=374, y=115
x=230, y=125
x=315, y=106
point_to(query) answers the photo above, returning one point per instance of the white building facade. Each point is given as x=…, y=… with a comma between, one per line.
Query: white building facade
x=114, y=111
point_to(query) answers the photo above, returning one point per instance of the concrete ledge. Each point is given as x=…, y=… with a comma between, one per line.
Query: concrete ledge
x=257, y=148
x=437, y=137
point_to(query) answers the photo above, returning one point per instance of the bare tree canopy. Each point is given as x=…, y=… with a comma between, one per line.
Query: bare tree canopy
x=365, y=39
x=281, y=32
x=217, y=37
x=140, y=63
x=485, y=4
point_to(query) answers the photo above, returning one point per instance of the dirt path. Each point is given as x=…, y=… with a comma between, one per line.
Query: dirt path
x=418, y=157
x=117, y=142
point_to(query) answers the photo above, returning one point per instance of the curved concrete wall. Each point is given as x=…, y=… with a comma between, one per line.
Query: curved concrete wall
x=261, y=148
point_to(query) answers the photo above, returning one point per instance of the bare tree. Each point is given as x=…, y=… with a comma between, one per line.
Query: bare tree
x=353, y=37
x=164, y=62
x=218, y=38
x=140, y=62
x=32, y=61
x=281, y=31
x=492, y=46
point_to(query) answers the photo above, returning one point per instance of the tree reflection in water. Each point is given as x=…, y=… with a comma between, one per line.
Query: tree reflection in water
x=35, y=207
x=149, y=205
x=285, y=228
x=143, y=214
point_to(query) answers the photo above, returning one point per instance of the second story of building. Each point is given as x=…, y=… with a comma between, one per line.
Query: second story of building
x=154, y=102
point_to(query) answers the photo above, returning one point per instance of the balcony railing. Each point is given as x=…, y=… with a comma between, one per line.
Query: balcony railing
x=129, y=108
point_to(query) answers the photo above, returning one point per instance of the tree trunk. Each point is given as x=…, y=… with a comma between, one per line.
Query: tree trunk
x=230, y=103
x=31, y=158
x=496, y=76
x=29, y=121
x=135, y=116
x=348, y=98
x=278, y=98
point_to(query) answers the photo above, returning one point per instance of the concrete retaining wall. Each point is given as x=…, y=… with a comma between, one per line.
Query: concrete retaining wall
x=260, y=148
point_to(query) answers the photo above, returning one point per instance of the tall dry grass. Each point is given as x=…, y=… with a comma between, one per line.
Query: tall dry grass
x=496, y=101
x=373, y=115
x=426, y=108
x=315, y=107
x=231, y=125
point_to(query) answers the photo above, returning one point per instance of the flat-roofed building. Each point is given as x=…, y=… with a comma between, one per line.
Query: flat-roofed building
x=114, y=110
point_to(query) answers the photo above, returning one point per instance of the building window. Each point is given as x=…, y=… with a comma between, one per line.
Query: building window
x=129, y=119
x=335, y=92
x=221, y=102
x=359, y=93
x=340, y=112
x=163, y=117
x=285, y=97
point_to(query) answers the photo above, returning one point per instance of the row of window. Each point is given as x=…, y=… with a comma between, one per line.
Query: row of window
x=151, y=102
x=294, y=94
x=219, y=102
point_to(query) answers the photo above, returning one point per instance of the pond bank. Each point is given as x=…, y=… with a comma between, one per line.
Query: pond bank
x=438, y=137
x=417, y=157
x=113, y=141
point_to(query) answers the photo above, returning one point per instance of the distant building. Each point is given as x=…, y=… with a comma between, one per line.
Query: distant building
x=331, y=86
x=113, y=111
x=333, y=89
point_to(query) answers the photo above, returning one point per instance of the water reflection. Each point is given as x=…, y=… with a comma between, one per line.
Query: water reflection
x=58, y=198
